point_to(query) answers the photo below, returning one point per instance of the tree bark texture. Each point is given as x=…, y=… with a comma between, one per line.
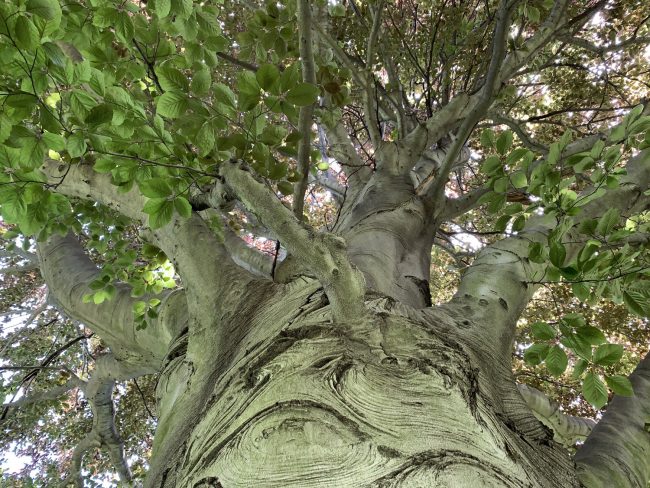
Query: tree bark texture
x=398, y=398
x=338, y=372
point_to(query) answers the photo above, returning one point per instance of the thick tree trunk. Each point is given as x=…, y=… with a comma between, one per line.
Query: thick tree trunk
x=398, y=398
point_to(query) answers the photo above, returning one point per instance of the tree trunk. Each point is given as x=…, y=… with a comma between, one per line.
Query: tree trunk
x=400, y=397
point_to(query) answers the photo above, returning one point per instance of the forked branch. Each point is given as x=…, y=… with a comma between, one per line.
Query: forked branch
x=323, y=253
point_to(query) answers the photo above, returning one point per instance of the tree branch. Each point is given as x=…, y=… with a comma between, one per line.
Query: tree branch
x=245, y=256
x=323, y=253
x=589, y=46
x=68, y=272
x=489, y=89
x=200, y=259
x=343, y=150
x=616, y=452
x=515, y=125
x=508, y=262
x=98, y=390
x=51, y=394
x=306, y=113
x=436, y=127
x=237, y=61
x=567, y=429
x=18, y=269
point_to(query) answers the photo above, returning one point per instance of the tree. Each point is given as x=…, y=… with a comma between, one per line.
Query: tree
x=142, y=143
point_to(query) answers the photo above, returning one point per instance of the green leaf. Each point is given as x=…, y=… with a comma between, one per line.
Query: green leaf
x=608, y=354
x=502, y=223
x=56, y=142
x=536, y=252
x=607, y=221
x=592, y=335
x=139, y=308
x=247, y=83
x=518, y=154
x=155, y=188
x=124, y=27
x=171, y=104
x=105, y=17
x=533, y=13
x=637, y=301
x=26, y=33
x=5, y=127
x=76, y=144
x=163, y=7
x=519, y=179
x=491, y=164
x=223, y=94
x=574, y=319
x=504, y=142
x=160, y=212
x=519, y=223
x=556, y=361
x=101, y=114
x=536, y=353
x=488, y=138
x=201, y=81
x=96, y=285
x=47, y=9
x=577, y=344
x=620, y=385
x=594, y=390
x=579, y=368
x=581, y=291
x=99, y=297
x=267, y=75
x=285, y=187
x=104, y=165
x=553, y=153
x=542, y=331
x=183, y=207
x=205, y=139
x=172, y=79
x=557, y=253
x=302, y=94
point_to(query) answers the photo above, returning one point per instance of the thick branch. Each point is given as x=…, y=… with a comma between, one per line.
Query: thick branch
x=328, y=181
x=550, y=30
x=515, y=125
x=455, y=207
x=68, y=272
x=88, y=442
x=200, y=259
x=567, y=429
x=506, y=289
x=245, y=256
x=370, y=95
x=324, y=254
x=616, y=452
x=426, y=135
